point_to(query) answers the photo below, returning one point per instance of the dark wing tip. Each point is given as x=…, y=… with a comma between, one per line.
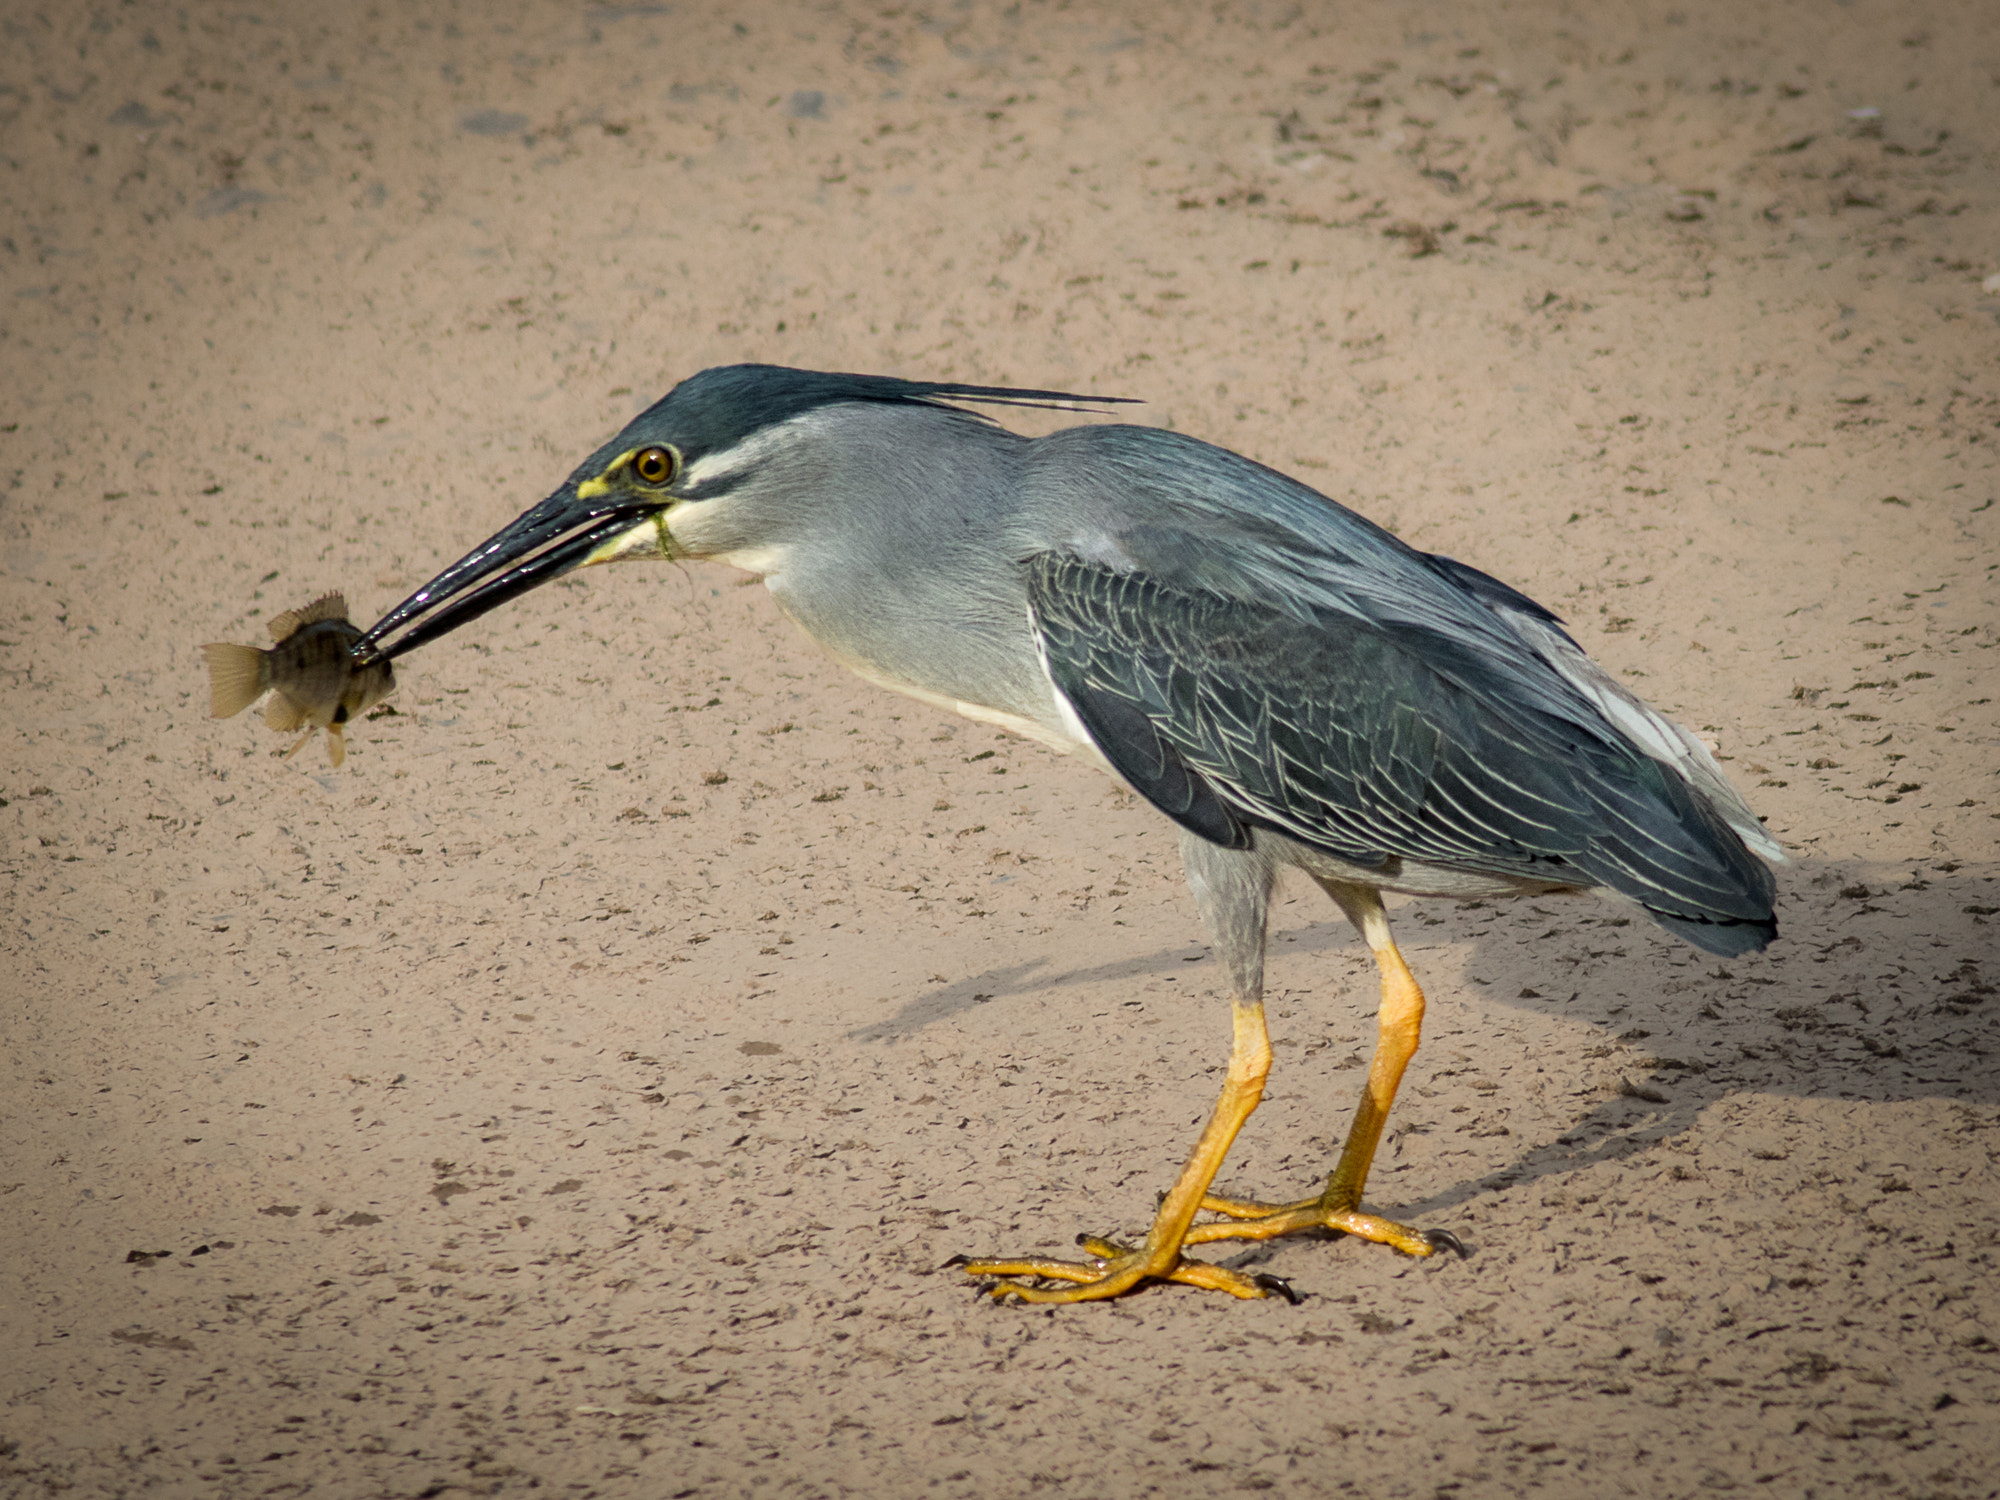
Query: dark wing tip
x=1724, y=938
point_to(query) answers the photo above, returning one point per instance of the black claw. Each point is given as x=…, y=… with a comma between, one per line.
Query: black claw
x=1279, y=1285
x=1444, y=1239
x=956, y=1260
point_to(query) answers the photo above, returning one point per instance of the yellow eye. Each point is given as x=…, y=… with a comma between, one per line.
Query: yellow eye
x=655, y=465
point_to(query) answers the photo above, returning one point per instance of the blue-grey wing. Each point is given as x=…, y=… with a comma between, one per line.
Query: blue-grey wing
x=1380, y=741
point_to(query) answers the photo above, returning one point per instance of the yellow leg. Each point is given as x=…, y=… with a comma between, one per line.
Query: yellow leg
x=1115, y=1268
x=1399, y=1027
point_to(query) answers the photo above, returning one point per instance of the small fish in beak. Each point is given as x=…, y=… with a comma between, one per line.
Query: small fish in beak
x=312, y=674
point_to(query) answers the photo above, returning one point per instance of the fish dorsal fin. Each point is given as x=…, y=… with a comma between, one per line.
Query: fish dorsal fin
x=235, y=677
x=331, y=606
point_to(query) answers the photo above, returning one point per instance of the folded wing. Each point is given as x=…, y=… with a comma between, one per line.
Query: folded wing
x=1384, y=740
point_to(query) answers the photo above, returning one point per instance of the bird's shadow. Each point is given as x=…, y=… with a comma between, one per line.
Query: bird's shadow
x=1008, y=981
x=1881, y=988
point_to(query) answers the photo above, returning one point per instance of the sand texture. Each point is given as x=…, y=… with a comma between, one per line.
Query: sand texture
x=579, y=1092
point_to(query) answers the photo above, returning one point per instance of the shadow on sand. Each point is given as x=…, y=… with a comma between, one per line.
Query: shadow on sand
x=1876, y=990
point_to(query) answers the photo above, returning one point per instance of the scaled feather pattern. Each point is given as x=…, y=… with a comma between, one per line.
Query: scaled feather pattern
x=1381, y=740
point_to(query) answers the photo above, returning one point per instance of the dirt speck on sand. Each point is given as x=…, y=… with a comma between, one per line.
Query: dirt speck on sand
x=580, y=1091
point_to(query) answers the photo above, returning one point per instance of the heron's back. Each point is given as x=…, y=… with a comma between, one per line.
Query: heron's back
x=1317, y=676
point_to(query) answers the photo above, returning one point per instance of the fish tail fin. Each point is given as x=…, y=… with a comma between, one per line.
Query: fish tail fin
x=236, y=675
x=329, y=606
x=283, y=714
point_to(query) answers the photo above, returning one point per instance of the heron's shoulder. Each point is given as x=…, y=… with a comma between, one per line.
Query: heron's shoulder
x=1190, y=514
x=1122, y=476
x=1196, y=520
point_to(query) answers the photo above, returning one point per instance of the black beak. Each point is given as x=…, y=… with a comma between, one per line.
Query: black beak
x=543, y=543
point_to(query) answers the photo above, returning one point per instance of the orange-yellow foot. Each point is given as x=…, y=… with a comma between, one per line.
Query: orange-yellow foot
x=1266, y=1221
x=1111, y=1270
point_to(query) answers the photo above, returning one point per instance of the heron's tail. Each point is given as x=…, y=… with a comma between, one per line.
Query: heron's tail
x=1728, y=937
x=1661, y=841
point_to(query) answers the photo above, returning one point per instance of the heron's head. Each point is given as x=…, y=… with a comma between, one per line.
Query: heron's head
x=678, y=481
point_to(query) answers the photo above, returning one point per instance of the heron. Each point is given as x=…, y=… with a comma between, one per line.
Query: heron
x=1289, y=683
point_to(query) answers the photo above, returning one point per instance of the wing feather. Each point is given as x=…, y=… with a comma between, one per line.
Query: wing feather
x=1379, y=740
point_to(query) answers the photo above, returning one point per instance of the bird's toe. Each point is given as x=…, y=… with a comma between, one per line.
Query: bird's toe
x=1444, y=1239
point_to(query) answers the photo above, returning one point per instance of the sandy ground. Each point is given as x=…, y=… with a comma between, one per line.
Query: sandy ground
x=527, y=1107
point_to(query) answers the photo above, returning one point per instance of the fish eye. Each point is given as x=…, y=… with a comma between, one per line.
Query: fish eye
x=655, y=465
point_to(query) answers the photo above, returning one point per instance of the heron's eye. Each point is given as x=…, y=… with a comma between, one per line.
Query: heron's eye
x=654, y=465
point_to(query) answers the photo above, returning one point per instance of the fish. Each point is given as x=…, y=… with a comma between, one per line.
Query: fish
x=311, y=673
